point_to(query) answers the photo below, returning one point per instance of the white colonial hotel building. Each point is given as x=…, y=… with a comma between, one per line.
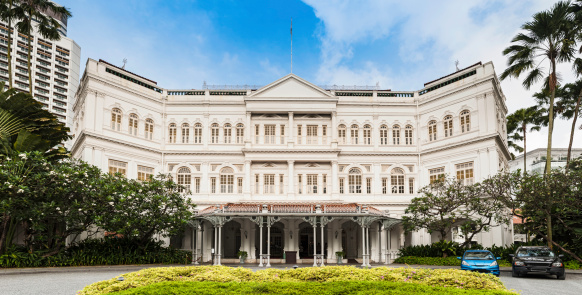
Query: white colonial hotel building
x=291, y=168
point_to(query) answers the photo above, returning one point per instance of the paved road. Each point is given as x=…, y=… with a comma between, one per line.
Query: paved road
x=62, y=283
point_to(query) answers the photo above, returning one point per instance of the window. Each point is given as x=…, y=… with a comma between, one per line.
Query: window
x=312, y=183
x=396, y=134
x=144, y=173
x=198, y=133
x=432, y=130
x=117, y=167
x=149, y=129
x=397, y=181
x=311, y=134
x=299, y=183
x=213, y=185
x=269, y=184
x=448, y=126
x=355, y=181
x=465, y=173
x=324, y=134
x=256, y=183
x=240, y=133
x=185, y=133
x=257, y=133
x=270, y=134
x=384, y=185
x=367, y=134
x=239, y=185
x=341, y=185
x=227, y=133
x=299, y=134
x=214, y=133
x=465, y=121
x=324, y=187
x=354, y=134
x=411, y=185
x=227, y=180
x=282, y=134
x=436, y=174
x=172, y=133
x=116, y=119
x=341, y=134
x=133, y=124
x=408, y=134
x=383, y=135
x=184, y=177
x=197, y=185
x=368, y=185
x=281, y=183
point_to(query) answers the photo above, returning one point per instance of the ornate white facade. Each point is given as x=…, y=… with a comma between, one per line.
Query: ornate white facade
x=290, y=161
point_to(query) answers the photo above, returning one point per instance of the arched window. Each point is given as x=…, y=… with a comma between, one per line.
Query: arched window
x=214, y=133
x=226, y=180
x=397, y=181
x=383, y=135
x=367, y=134
x=149, y=129
x=227, y=133
x=197, y=133
x=184, y=177
x=341, y=134
x=448, y=126
x=465, y=121
x=185, y=133
x=355, y=181
x=240, y=133
x=133, y=119
x=432, y=130
x=116, y=119
x=354, y=134
x=408, y=134
x=172, y=130
x=396, y=134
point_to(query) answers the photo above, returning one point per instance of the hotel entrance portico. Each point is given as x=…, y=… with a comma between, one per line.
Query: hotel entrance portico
x=312, y=233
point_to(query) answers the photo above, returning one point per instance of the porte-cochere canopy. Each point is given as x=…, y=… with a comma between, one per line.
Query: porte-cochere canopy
x=291, y=209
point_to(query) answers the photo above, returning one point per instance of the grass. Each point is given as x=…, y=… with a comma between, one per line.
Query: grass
x=354, y=287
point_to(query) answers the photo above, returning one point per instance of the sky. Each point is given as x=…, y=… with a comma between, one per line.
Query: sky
x=398, y=44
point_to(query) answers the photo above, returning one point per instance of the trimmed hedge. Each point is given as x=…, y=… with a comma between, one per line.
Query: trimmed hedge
x=454, y=278
x=448, y=261
x=108, y=251
x=353, y=287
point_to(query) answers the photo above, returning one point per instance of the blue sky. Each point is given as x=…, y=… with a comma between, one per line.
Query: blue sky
x=398, y=44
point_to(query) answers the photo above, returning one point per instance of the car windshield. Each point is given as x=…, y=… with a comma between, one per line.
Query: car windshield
x=479, y=255
x=543, y=252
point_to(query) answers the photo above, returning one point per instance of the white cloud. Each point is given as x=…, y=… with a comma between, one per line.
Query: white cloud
x=429, y=36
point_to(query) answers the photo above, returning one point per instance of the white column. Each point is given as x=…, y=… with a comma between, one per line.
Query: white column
x=364, y=246
x=290, y=132
x=319, y=134
x=261, y=242
x=375, y=132
x=319, y=184
x=205, y=130
x=194, y=244
x=219, y=243
x=247, y=180
x=204, y=181
x=215, y=243
x=278, y=133
x=334, y=177
x=315, y=245
x=322, y=243
x=377, y=182
x=368, y=245
x=290, y=176
x=261, y=184
x=268, y=245
x=261, y=133
x=333, y=126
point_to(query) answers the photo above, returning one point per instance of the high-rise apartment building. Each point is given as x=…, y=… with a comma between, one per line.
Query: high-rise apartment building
x=55, y=66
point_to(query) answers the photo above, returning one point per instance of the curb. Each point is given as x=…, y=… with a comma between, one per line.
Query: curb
x=68, y=269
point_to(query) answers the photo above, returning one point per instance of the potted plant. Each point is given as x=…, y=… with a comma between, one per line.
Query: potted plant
x=242, y=255
x=340, y=255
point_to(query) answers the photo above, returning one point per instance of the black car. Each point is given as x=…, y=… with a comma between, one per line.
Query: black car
x=538, y=259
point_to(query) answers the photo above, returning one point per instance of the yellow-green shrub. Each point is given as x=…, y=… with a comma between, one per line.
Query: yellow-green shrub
x=430, y=277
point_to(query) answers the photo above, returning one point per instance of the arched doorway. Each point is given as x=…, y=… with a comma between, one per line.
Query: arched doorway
x=231, y=240
x=350, y=236
x=277, y=241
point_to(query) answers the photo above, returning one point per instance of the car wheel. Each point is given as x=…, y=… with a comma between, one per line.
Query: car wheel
x=562, y=276
x=514, y=274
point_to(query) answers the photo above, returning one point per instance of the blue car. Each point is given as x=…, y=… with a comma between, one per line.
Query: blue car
x=480, y=261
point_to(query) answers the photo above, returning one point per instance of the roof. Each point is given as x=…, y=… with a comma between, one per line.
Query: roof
x=290, y=208
x=100, y=60
x=477, y=64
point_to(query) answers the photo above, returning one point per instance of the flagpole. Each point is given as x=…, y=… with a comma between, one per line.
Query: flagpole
x=291, y=45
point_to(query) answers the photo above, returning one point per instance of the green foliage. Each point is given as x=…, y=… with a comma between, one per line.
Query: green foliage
x=242, y=254
x=179, y=288
x=108, y=251
x=454, y=278
x=413, y=260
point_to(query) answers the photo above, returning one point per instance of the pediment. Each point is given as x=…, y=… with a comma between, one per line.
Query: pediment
x=291, y=86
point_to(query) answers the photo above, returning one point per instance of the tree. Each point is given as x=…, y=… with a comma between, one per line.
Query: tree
x=572, y=98
x=142, y=209
x=546, y=40
x=25, y=126
x=517, y=124
x=45, y=25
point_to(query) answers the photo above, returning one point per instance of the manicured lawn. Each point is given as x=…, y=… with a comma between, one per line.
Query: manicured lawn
x=184, y=288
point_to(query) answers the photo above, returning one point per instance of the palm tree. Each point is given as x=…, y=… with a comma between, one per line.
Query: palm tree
x=519, y=122
x=45, y=25
x=7, y=14
x=545, y=40
x=571, y=101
